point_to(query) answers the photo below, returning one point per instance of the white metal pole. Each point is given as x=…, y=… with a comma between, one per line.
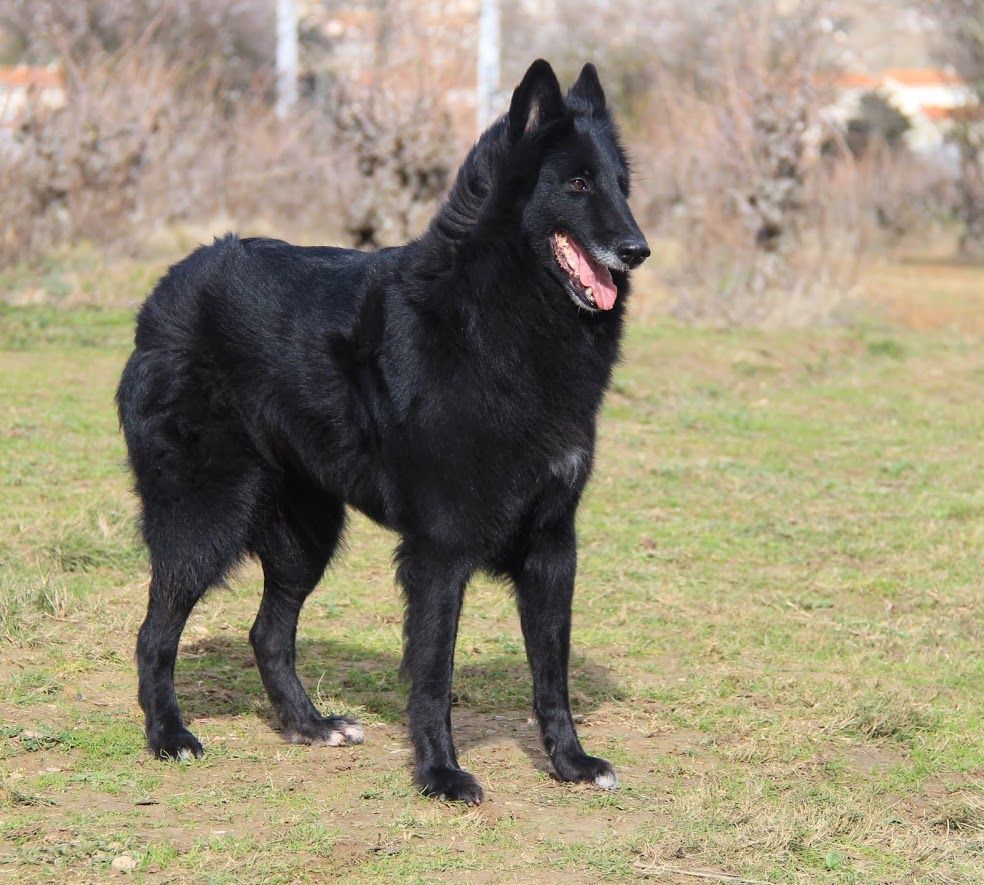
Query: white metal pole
x=286, y=57
x=488, y=61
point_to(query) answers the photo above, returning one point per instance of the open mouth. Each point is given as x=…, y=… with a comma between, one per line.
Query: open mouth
x=589, y=283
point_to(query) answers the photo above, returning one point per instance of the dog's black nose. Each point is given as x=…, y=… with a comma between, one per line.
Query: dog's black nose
x=633, y=252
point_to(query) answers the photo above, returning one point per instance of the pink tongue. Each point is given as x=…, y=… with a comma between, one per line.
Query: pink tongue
x=595, y=275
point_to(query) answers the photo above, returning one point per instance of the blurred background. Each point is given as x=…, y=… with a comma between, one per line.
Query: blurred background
x=780, y=147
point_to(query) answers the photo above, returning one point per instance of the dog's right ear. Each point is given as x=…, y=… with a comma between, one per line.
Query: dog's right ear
x=537, y=100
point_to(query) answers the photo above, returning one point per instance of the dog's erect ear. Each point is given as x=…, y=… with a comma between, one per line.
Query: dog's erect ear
x=586, y=93
x=536, y=101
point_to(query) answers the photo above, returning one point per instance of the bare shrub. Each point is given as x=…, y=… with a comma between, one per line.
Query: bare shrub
x=898, y=197
x=401, y=151
x=75, y=171
x=961, y=44
x=88, y=170
x=168, y=121
x=736, y=148
x=230, y=39
x=143, y=141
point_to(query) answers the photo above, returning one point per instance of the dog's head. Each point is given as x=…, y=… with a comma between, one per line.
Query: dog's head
x=577, y=217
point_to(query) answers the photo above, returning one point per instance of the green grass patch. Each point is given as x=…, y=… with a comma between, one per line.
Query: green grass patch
x=777, y=636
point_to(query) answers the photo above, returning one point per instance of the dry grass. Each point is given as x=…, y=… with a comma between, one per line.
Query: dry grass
x=777, y=637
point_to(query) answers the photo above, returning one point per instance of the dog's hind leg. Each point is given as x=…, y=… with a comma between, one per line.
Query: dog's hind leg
x=294, y=548
x=178, y=581
x=434, y=590
x=544, y=579
x=196, y=530
x=171, y=601
x=199, y=484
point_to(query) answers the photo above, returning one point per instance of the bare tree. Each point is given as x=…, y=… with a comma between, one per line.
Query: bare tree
x=961, y=29
x=733, y=138
x=230, y=39
x=156, y=132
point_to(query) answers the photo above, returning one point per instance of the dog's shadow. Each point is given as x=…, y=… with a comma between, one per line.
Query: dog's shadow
x=217, y=676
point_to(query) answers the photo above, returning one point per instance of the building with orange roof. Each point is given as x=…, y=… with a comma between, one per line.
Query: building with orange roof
x=931, y=99
x=19, y=84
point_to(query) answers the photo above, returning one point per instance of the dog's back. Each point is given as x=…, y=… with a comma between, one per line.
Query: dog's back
x=216, y=344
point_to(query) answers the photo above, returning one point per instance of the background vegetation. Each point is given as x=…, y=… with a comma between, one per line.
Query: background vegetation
x=767, y=209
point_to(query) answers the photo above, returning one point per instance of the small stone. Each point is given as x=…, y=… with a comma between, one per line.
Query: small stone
x=124, y=863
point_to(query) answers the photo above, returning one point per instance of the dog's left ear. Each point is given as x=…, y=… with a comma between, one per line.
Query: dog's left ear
x=536, y=101
x=586, y=94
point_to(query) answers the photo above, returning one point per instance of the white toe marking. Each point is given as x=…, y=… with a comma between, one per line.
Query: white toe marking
x=606, y=780
x=347, y=733
x=184, y=754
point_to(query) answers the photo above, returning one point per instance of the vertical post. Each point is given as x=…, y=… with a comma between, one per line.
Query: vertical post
x=286, y=57
x=488, y=61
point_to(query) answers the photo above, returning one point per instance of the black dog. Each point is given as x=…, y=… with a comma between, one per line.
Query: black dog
x=449, y=389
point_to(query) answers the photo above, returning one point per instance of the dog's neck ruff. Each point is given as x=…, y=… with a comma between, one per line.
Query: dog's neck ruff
x=473, y=186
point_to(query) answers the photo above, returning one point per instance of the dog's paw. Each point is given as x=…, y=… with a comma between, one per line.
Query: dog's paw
x=450, y=783
x=328, y=731
x=182, y=745
x=583, y=768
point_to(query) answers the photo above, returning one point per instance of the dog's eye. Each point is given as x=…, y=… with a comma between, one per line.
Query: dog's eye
x=579, y=184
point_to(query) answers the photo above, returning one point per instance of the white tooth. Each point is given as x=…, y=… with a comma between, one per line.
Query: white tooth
x=589, y=291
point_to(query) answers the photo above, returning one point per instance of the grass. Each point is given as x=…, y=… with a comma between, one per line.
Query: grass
x=777, y=641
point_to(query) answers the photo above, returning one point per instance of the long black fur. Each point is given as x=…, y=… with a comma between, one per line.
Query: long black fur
x=449, y=389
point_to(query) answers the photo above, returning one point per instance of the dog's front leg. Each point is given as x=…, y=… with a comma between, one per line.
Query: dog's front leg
x=544, y=592
x=434, y=589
